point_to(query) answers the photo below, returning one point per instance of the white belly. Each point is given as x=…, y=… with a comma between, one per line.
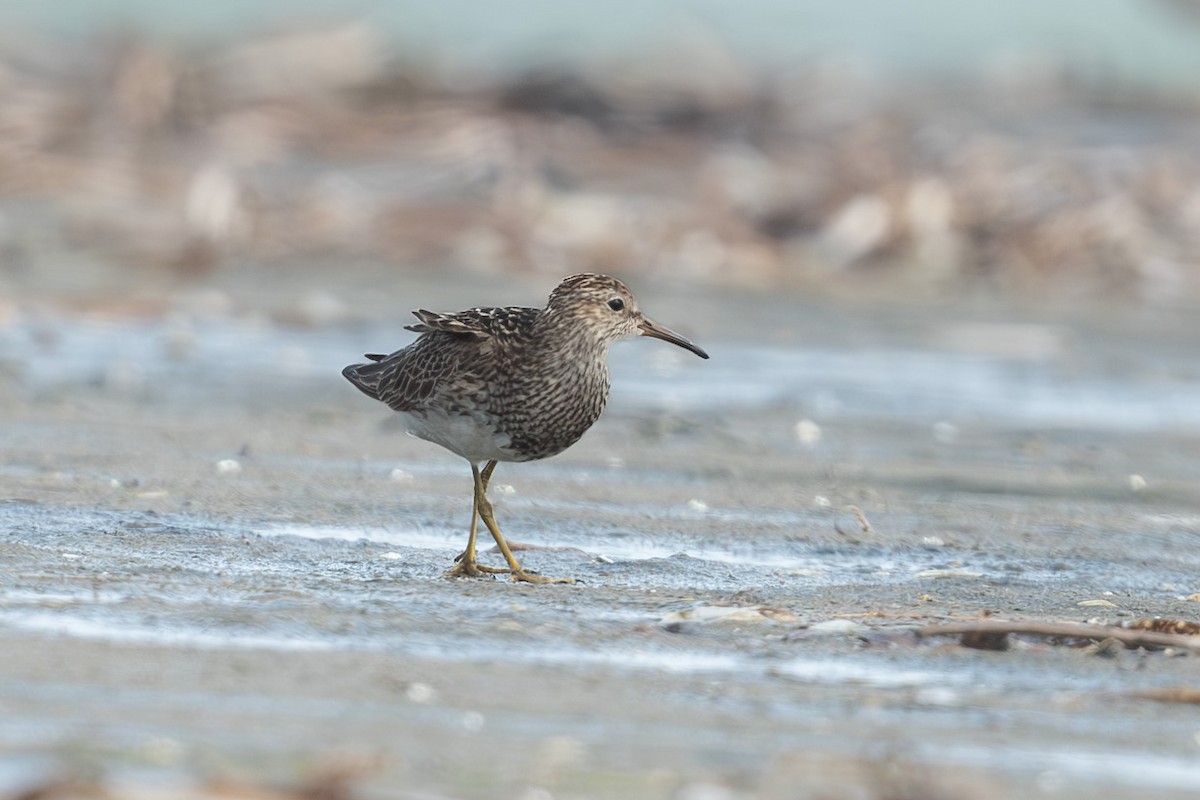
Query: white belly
x=464, y=435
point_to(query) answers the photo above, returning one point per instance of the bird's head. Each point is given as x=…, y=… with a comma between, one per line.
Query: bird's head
x=609, y=310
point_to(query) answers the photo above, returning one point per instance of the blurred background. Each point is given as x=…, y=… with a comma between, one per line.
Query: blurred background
x=944, y=254
x=1043, y=151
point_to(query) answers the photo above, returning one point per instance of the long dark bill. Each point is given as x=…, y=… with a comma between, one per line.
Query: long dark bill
x=651, y=328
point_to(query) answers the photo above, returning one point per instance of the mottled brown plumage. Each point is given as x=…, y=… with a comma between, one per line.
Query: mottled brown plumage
x=509, y=384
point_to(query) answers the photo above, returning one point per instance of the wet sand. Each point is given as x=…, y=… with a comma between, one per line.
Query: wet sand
x=222, y=563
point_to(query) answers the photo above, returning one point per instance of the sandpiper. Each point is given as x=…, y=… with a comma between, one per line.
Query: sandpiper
x=509, y=384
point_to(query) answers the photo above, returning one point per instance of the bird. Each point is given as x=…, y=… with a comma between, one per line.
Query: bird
x=509, y=384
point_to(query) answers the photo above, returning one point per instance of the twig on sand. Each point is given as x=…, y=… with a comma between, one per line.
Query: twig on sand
x=862, y=519
x=896, y=615
x=1128, y=637
x=1171, y=694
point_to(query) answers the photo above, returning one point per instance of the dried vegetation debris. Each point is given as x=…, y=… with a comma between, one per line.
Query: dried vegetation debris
x=334, y=783
x=329, y=141
x=993, y=634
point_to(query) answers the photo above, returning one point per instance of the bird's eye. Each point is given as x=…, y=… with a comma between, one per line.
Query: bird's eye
x=616, y=304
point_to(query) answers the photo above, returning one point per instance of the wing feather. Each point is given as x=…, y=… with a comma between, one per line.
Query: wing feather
x=406, y=378
x=463, y=322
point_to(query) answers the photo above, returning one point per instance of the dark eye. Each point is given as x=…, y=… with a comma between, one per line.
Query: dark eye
x=616, y=304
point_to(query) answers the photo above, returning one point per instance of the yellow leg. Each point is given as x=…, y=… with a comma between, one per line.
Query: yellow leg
x=467, y=566
x=485, y=513
x=486, y=476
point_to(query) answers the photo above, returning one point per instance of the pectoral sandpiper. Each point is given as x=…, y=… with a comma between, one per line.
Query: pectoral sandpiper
x=509, y=384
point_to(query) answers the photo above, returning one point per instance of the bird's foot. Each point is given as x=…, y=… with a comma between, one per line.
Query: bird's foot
x=475, y=568
x=470, y=569
x=520, y=575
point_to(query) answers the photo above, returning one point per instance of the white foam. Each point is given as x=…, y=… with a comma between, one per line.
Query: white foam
x=615, y=549
x=81, y=628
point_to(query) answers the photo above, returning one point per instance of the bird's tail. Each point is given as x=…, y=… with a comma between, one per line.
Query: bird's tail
x=367, y=377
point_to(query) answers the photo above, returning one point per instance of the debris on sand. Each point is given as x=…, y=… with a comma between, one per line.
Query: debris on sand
x=329, y=141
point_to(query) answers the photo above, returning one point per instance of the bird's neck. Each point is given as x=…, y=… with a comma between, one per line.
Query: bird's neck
x=572, y=351
x=559, y=331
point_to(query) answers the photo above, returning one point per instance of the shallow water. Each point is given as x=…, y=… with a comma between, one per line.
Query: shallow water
x=211, y=543
x=1042, y=380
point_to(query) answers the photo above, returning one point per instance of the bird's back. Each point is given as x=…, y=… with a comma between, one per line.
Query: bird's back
x=488, y=383
x=455, y=354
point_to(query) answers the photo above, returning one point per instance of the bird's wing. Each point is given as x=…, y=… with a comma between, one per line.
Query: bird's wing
x=462, y=322
x=406, y=378
x=402, y=379
x=480, y=323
